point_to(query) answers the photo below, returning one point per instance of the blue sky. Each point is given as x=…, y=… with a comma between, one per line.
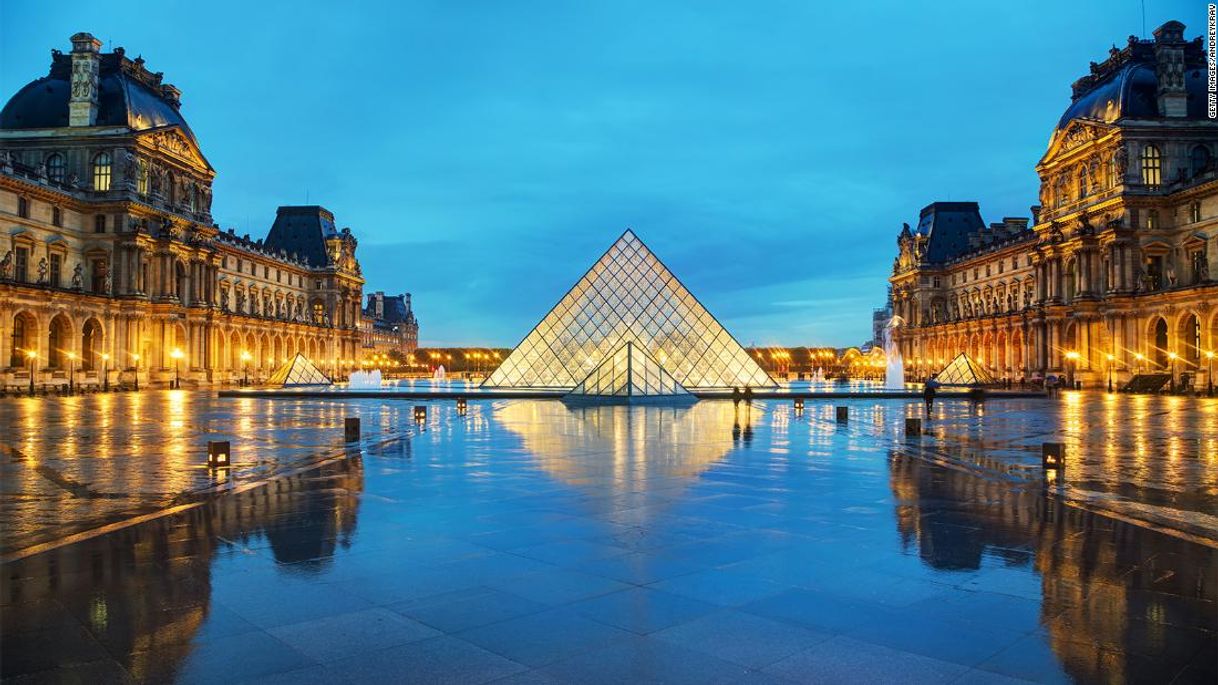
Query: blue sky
x=485, y=153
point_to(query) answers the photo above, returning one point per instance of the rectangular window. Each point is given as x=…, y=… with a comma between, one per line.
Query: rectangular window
x=97, y=268
x=21, y=264
x=56, y=269
x=1001, y=265
x=23, y=208
x=240, y=265
x=99, y=223
x=266, y=272
x=57, y=216
x=937, y=282
x=1152, y=219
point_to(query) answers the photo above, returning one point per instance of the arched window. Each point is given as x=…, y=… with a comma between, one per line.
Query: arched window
x=101, y=172
x=141, y=177
x=55, y=167
x=1082, y=182
x=1152, y=166
x=1200, y=159
x=20, y=342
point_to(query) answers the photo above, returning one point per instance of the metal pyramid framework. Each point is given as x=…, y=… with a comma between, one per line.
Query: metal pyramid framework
x=298, y=371
x=964, y=370
x=628, y=296
x=628, y=374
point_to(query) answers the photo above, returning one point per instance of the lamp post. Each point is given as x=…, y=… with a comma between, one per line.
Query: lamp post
x=32, y=356
x=105, y=372
x=1072, y=357
x=1171, y=356
x=71, y=372
x=245, y=363
x=135, y=365
x=177, y=358
x=1137, y=359
x=1209, y=374
x=1109, y=358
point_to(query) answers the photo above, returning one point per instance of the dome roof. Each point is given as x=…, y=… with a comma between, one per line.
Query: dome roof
x=1131, y=92
x=126, y=97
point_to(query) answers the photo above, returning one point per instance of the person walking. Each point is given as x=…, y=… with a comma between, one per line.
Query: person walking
x=928, y=394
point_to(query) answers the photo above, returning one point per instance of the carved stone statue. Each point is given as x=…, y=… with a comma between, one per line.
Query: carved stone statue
x=6, y=264
x=224, y=299
x=42, y=271
x=1170, y=272
x=130, y=169
x=78, y=277
x=1121, y=158
x=108, y=283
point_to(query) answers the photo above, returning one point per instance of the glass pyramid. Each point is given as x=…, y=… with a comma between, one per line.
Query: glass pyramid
x=964, y=370
x=627, y=374
x=628, y=296
x=298, y=371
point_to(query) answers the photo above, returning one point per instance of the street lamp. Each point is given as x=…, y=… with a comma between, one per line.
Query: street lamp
x=1072, y=357
x=177, y=358
x=1138, y=361
x=245, y=363
x=1110, y=359
x=32, y=356
x=105, y=372
x=135, y=365
x=1172, y=356
x=71, y=372
x=1209, y=375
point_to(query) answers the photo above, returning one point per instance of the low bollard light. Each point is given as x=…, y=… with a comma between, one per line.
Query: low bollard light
x=219, y=454
x=843, y=414
x=420, y=413
x=1053, y=461
x=462, y=405
x=351, y=429
x=913, y=428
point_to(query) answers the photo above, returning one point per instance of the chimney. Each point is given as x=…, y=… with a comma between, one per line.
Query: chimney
x=82, y=106
x=407, y=298
x=1169, y=67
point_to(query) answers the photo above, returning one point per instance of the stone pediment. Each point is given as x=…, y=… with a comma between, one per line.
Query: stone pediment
x=172, y=142
x=1077, y=134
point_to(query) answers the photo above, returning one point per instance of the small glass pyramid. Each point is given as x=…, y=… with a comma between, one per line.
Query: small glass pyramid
x=298, y=371
x=964, y=370
x=628, y=296
x=629, y=374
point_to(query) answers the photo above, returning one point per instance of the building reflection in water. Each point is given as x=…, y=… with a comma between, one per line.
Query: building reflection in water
x=1111, y=593
x=145, y=591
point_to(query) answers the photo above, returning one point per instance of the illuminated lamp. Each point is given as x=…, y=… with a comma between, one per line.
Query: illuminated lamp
x=461, y=405
x=420, y=413
x=1053, y=460
x=219, y=454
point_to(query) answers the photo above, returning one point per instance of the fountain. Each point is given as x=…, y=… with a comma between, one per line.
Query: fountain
x=818, y=376
x=894, y=374
x=365, y=380
x=438, y=376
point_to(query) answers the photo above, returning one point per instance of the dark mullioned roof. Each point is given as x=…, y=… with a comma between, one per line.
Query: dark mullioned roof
x=948, y=225
x=302, y=230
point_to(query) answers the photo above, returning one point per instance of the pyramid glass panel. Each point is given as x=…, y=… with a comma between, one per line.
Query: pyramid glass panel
x=298, y=371
x=629, y=297
x=964, y=370
x=629, y=372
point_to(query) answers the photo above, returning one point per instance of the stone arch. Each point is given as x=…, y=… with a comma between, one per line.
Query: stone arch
x=59, y=341
x=1189, y=338
x=1002, y=358
x=236, y=345
x=24, y=338
x=92, y=343
x=1157, y=341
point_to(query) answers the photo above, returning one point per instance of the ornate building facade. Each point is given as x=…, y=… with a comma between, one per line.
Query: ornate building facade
x=389, y=325
x=1114, y=274
x=112, y=269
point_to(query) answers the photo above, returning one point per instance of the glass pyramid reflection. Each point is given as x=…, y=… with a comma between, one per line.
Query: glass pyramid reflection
x=298, y=371
x=964, y=370
x=628, y=296
x=627, y=375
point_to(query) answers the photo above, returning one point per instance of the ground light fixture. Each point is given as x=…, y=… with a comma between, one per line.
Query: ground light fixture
x=219, y=454
x=1172, y=357
x=135, y=363
x=1053, y=461
x=462, y=405
x=351, y=429
x=420, y=413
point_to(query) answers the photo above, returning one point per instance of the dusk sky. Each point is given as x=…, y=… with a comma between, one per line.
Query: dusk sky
x=485, y=153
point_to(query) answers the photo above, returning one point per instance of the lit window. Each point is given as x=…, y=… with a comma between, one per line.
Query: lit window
x=1194, y=212
x=55, y=167
x=1152, y=164
x=101, y=172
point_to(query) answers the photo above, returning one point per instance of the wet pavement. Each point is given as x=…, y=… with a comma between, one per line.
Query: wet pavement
x=529, y=542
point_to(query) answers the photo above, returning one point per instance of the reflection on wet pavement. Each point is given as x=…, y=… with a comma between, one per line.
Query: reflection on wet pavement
x=530, y=542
